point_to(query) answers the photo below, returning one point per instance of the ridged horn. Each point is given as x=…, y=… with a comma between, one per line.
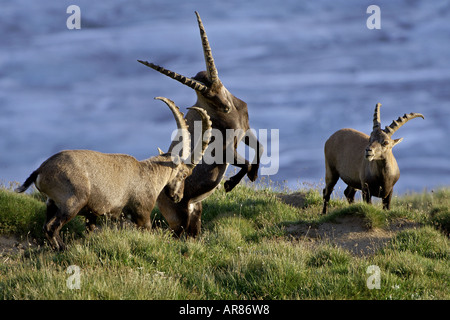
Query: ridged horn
x=181, y=125
x=198, y=86
x=396, y=124
x=206, y=138
x=376, y=117
x=211, y=69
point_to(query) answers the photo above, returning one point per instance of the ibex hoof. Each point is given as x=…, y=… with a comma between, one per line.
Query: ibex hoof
x=253, y=173
x=229, y=185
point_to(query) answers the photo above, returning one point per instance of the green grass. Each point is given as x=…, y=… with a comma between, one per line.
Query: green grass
x=24, y=215
x=243, y=252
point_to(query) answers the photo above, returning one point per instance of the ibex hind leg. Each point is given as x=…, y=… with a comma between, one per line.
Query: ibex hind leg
x=56, y=219
x=330, y=181
x=91, y=220
x=50, y=225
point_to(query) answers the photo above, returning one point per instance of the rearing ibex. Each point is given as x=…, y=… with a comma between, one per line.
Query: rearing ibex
x=363, y=162
x=226, y=112
x=90, y=183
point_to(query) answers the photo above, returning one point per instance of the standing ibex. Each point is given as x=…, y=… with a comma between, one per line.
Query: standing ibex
x=90, y=183
x=226, y=112
x=363, y=162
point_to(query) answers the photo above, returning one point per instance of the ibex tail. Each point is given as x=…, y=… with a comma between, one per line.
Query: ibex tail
x=31, y=179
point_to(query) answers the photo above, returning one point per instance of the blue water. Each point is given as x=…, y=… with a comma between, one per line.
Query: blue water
x=307, y=68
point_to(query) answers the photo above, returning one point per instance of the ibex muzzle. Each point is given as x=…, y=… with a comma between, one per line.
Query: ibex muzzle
x=226, y=112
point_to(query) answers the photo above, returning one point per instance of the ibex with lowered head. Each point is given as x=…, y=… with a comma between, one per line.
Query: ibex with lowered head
x=226, y=112
x=90, y=183
x=363, y=162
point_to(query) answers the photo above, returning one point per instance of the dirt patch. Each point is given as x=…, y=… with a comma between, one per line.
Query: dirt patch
x=10, y=245
x=350, y=233
x=296, y=199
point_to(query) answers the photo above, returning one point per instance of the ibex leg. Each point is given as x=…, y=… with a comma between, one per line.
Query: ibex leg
x=56, y=219
x=247, y=168
x=349, y=193
x=331, y=179
x=195, y=222
x=387, y=201
x=366, y=193
x=176, y=214
x=251, y=141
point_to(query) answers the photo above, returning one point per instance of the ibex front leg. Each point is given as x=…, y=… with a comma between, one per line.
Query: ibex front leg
x=252, y=141
x=247, y=168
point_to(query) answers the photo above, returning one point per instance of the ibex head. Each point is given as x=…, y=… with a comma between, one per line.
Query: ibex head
x=206, y=84
x=184, y=167
x=381, y=143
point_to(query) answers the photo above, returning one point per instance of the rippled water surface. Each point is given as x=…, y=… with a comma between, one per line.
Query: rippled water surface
x=307, y=68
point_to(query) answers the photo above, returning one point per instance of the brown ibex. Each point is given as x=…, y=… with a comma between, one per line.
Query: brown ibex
x=363, y=162
x=92, y=184
x=226, y=112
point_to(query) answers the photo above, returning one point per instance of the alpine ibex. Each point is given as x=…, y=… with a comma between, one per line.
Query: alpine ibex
x=363, y=162
x=92, y=184
x=226, y=112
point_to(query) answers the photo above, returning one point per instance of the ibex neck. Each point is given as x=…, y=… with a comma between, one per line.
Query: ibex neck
x=386, y=167
x=202, y=102
x=160, y=164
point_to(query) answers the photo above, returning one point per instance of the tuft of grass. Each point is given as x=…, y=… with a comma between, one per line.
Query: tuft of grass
x=20, y=214
x=425, y=241
x=373, y=216
x=24, y=215
x=328, y=256
x=440, y=218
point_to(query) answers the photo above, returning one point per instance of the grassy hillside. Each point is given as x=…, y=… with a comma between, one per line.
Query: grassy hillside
x=251, y=247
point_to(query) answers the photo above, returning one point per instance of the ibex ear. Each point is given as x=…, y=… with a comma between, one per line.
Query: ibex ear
x=160, y=151
x=397, y=141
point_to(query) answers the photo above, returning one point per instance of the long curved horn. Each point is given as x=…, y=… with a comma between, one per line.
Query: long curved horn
x=206, y=138
x=198, y=86
x=376, y=117
x=211, y=69
x=396, y=124
x=181, y=124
